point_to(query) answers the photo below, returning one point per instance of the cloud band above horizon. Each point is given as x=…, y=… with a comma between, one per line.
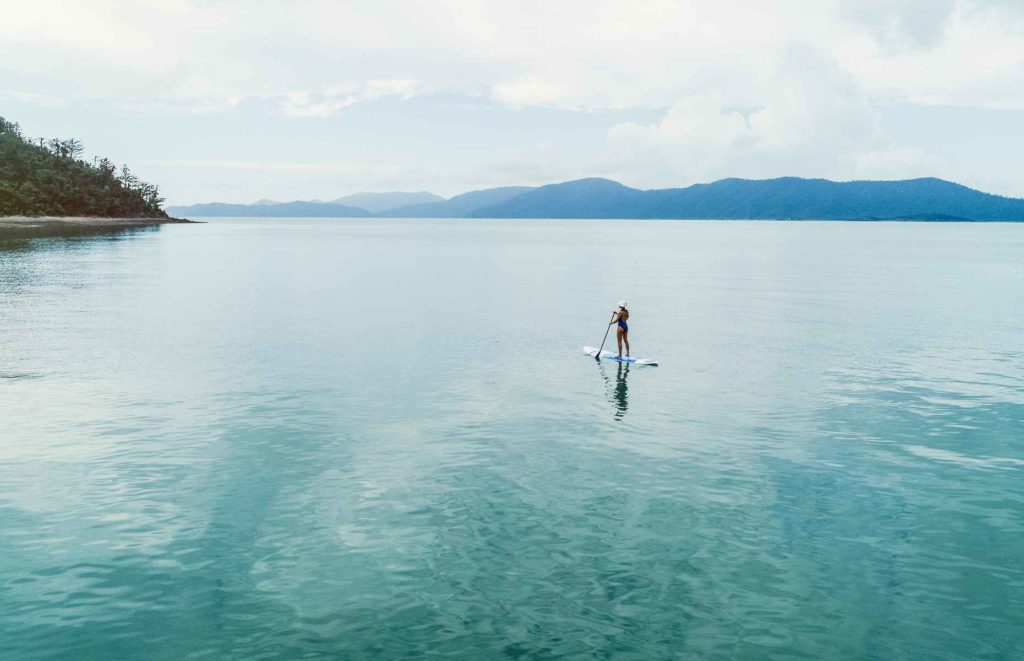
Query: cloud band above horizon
x=450, y=96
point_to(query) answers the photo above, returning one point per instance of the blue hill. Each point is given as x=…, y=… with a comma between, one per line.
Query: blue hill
x=380, y=203
x=460, y=206
x=583, y=198
x=783, y=198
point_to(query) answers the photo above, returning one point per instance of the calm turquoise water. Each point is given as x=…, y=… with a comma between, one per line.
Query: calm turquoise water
x=380, y=439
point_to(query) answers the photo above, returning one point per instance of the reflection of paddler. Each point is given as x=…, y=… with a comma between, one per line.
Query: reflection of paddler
x=621, y=390
x=618, y=392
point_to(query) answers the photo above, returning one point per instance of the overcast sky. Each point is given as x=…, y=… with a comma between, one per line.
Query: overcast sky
x=237, y=100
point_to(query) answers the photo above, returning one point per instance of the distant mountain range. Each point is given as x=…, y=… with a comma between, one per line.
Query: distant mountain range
x=786, y=198
x=461, y=206
x=381, y=202
x=264, y=209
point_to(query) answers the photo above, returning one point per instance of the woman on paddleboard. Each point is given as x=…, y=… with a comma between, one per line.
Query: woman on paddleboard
x=622, y=332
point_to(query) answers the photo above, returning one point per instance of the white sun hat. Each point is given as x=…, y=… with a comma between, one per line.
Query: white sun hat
x=622, y=304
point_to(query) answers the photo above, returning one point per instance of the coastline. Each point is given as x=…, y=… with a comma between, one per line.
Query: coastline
x=42, y=222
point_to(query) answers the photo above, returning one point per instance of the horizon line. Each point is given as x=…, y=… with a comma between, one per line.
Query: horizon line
x=269, y=202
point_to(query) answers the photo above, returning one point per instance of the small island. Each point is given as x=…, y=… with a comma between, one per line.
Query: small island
x=45, y=184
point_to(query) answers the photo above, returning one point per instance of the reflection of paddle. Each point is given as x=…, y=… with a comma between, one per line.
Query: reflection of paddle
x=597, y=356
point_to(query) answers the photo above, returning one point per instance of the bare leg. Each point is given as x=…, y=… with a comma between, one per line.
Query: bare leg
x=618, y=338
x=625, y=338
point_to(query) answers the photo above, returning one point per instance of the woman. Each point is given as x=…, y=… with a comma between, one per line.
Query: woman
x=622, y=332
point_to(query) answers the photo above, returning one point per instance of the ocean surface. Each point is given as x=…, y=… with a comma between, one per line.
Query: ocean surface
x=281, y=439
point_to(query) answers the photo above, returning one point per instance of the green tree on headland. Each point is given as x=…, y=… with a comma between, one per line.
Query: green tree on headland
x=48, y=179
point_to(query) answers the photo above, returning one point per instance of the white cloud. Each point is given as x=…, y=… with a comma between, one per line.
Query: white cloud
x=330, y=101
x=576, y=54
x=977, y=60
x=809, y=119
x=747, y=88
x=39, y=100
x=268, y=166
x=900, y=25
x=531, y=91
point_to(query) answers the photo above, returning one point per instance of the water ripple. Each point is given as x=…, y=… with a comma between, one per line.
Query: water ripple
x=216, y=458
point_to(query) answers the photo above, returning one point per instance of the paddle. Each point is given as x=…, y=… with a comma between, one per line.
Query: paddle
x=597, y=356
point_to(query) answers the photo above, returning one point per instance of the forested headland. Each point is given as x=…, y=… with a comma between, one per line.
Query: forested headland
x=40, y=177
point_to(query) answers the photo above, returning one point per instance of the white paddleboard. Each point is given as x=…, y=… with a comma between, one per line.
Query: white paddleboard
x=608, y=355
